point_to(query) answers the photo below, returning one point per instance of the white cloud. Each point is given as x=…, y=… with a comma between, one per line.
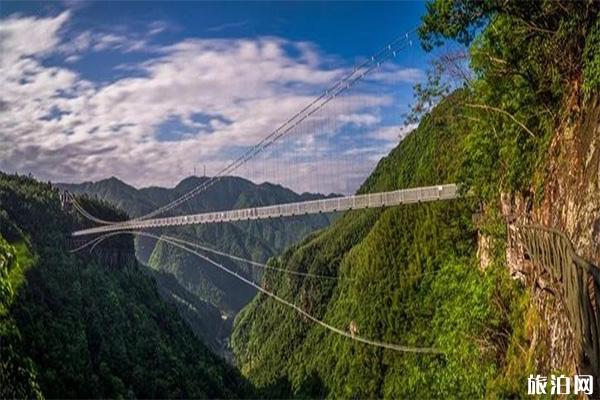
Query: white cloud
x=28, y=36
x=392, y=73
x=63, y=127
x=362, y=119
x=156, y=27
x=393, y=133
x=98, y=41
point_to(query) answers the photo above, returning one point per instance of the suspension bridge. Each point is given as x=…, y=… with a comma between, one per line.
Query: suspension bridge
x=323, y=144
x=357, y=202
x=334, y=138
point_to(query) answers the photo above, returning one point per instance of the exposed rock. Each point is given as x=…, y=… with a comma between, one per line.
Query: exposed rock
x=570, y=203
x=571, y=199
x=553, y=335
x=484, y=249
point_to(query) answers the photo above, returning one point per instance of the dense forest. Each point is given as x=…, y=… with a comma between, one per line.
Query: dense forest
x=418, y=275
x=89, y=326
x=408, y=275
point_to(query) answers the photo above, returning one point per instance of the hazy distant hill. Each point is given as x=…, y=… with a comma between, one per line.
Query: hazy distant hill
x=227, y=193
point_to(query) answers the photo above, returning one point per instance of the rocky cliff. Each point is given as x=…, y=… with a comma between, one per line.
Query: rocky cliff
x=569, y=201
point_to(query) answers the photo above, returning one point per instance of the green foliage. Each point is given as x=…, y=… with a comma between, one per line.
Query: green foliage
x=7, y=262
x=591, y=57
x=407, y=275
x=91, y=326
x=519, y=361
x=458, y=20
x=526, y=57
x=17, y=373
x=529, y=60
x=440, y=135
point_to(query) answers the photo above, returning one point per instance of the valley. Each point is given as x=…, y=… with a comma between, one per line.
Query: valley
x=200, y=292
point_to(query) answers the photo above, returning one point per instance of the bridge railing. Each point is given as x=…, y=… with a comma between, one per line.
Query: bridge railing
x=579, y=283
x=371, y=200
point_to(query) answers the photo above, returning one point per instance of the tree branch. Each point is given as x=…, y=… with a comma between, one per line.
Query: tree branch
x=490, y=108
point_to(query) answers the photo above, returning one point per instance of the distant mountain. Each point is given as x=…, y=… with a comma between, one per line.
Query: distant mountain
x=83, y=326
x=256, y=240
x=229, y=192
x=116, y=192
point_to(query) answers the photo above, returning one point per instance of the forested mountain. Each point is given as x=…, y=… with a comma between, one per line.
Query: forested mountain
x=227, y=193
x=193, y=277
x=407, y=275
x=521, y=134
x=79, y=325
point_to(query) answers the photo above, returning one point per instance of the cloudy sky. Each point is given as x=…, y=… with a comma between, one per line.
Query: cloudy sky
x=150, y=92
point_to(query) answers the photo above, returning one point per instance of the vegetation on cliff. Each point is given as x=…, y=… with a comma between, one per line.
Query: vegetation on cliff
x=528, y=63
x=533, y=92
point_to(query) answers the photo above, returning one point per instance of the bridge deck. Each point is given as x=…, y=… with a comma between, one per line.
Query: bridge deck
x=356, y=202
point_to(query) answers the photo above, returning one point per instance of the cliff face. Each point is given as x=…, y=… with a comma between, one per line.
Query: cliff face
x=572, y=190
x=570, y=202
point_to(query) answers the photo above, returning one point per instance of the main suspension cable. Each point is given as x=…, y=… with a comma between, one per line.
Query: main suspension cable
x=339, y=87
x=331, y=93
x=245, y=260
x=86, y=214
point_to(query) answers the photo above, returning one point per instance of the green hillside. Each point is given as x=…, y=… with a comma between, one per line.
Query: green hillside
x=412, y=275
x=511, y=120
x=89, y=325
x=407, y=275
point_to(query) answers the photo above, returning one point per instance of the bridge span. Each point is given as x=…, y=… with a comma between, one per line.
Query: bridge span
x=355, y=202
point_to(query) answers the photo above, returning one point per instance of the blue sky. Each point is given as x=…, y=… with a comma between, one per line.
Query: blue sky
x=148, y=91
